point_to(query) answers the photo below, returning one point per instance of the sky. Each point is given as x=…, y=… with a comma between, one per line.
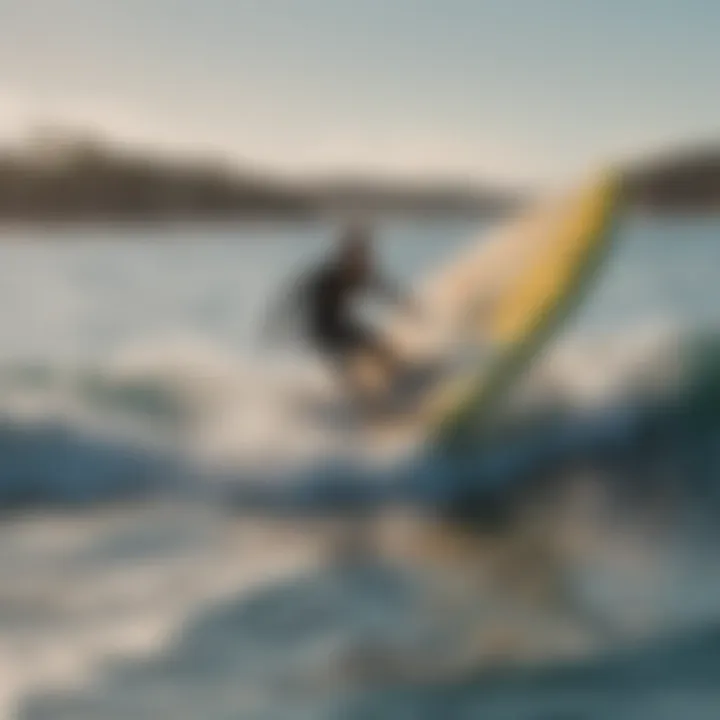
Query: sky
x=502, y=90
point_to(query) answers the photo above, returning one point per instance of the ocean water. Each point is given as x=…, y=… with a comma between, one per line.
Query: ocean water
x=192, y=530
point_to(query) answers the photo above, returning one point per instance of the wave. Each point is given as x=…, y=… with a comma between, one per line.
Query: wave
x=275, y=437
x=53, y=464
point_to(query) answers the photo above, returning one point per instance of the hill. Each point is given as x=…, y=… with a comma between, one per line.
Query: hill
x=687, y=181
x=78, y=179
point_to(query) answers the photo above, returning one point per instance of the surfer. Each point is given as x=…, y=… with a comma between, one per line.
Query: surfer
x=325, y=300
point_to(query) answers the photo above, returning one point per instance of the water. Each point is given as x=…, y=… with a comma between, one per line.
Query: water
x=183, y=537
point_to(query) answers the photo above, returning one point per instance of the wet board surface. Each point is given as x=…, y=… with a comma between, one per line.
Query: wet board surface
x=511, y=290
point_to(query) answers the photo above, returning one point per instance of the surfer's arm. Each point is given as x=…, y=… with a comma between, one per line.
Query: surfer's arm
x=395, y=294
x=388, y=290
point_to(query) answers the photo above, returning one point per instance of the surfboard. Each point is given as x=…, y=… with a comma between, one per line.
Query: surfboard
x=510, y=292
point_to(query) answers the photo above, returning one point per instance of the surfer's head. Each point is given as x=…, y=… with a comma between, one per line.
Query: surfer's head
x=355, y=250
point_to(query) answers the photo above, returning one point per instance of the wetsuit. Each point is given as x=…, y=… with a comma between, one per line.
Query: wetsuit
x=331, y=324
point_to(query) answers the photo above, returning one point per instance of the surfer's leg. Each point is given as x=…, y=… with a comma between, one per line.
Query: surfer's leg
x=338, y=350
x=347, y=348
x=343, y=366
x=354, y=347
x=371, y=343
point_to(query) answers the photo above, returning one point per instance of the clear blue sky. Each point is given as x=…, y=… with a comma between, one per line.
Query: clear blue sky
x=506, y=89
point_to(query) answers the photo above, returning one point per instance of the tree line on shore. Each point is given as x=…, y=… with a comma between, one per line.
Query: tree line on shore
x=78, y=178
x=83, y=179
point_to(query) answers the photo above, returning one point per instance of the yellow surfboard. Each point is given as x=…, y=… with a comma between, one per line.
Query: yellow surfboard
x=511, y=292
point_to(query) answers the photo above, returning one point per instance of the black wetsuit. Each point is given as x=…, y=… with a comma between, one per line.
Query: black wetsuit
x=331, y=322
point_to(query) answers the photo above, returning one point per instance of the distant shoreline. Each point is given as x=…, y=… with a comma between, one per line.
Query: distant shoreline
x=683, y=182
x=130, y=223
x=61, y=180
x=325, y=212
x=128, y=227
